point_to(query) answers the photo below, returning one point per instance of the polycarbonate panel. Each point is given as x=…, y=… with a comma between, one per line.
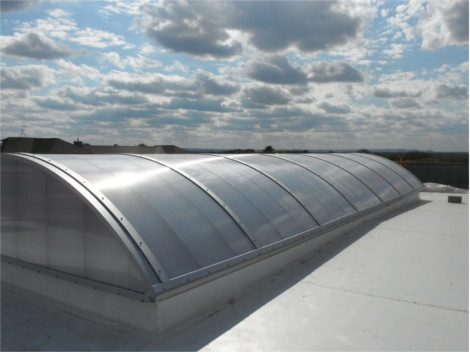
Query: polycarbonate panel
x=106, y=258
x=31, y=221
x=267, y=210
x=180, y=223
x=65, y=228
x=392, y=177
x=52, y=228
x=8, y=208
x=407, y=176
x=372, y=180
x=197, y=211
x=320, y=198
x=351, y=188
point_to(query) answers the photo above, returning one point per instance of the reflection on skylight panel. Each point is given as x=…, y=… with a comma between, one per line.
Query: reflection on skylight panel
x=129, y=179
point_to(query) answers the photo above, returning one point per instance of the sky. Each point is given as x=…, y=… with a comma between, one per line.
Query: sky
x=238, y=74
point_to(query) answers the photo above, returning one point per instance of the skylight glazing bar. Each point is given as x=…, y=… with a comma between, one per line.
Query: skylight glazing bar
x=316, y=174
x=344, y=169
x=280, y=184
x=206, y=190
x=345, y=157
x=378, y=159
x=113, y=211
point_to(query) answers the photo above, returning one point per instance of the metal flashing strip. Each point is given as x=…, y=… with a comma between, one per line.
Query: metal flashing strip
x=279, y=183
x=206, y=190
x=120, y=291
x=357, y=162
x=342, y=168
x=378, y=159
x=316, y=174
x=131, y=238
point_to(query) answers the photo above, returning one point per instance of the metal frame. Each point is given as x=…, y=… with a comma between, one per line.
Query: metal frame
x=367, y=167
x=198, y=277
x=342, y=168
x=316, y=174
x=388, y=167
x=145, y=258
x=102, y=208
x=206, y=190
x=115, y=213
x=279, y=183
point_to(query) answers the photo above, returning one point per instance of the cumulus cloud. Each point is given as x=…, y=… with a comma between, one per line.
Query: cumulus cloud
x=318, y=24
x=325, y=72
x=95, y=97
x=16, y=5
x=386, y=93
x=210, y=85
x=195, y=28
x=24, y=77
x=202, y=84
x=259, y=97
x=36, y=46
x=206, y=28
x=209, y=105
x=54, y=104
x=151, y=84
x=443, y=91
x=444, y=23
x=335, y=109
x=406, y=103
x=97, y=38
x=137, y=63
x=276, y=70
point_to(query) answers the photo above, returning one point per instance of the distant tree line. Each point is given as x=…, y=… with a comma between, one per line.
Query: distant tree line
x=410, y=157
x=418, y=157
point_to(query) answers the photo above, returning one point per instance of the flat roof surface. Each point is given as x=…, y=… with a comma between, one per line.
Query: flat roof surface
x=394, y=283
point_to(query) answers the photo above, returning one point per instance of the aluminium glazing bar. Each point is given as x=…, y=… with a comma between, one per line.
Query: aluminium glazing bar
x=388, y=167
x=313, y=172
x=111, y=209
x=206, y=190
x=342, y=168
x=279, y=183
x=358, y=162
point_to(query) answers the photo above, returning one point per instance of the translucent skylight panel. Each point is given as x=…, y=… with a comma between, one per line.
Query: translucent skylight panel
x=351, y=188
x=368, y=177
x=319, y=198
x=392, y=177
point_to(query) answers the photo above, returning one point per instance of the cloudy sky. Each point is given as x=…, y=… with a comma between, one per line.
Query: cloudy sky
x=242, y=74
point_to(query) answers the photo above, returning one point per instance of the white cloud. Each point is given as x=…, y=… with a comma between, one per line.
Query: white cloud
x=59, y=26
x=176, y=66
x=36, y=46
x=395, y=51
x=206, y=29
x=26, y=77
x=97, y=38
x=137, y=63
x=444, y=23
x=76, y=73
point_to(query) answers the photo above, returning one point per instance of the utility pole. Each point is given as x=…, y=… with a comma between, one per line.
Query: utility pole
x=23, y=133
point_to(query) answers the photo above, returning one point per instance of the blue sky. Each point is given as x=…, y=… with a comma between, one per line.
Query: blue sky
x=242, y=74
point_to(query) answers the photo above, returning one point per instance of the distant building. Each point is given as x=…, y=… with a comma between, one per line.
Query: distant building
x=59, y=146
